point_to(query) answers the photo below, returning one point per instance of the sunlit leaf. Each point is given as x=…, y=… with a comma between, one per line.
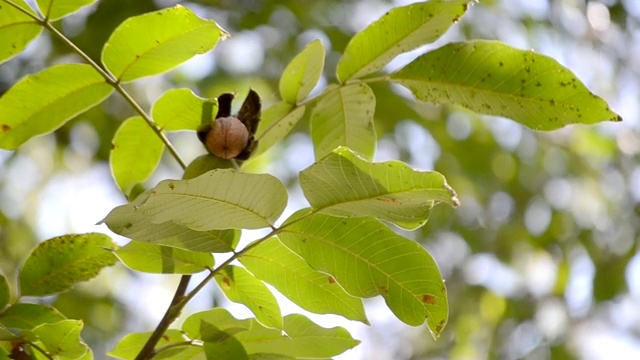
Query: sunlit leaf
x=127, y=221
x=400, y=30
x=205, y=163
x=62, y=338
x=181, y=109
x=135, y=153
x=301, y=339
x=17, y=29
x=242, y=287
x=368, y=259
x=57, y=9
x=217, y=329
x=314, y=291
x=302, y=73
x=219, y=199
x=277, y=121
x=5, y=292
x=59, y=263
x=130, y=345
x=158, y=259
x=28, y=316
x=344, y=184
x=493, y=78
x=42, y=102
x=344, y=117
x=156, y=42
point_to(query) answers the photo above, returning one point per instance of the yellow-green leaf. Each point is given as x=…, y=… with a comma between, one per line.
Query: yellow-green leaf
x=57, y=264
x=135, y=153
x=17, y=29
x=158, y=259
x=181, y=109
x=400, y=30
x=368, y=259
x=277, y=121
x=344, y=117
x=495, y=79
x=40, y=103
x=302, y=74
x=242, y=287
x=312, y=290
x=57, y=9
x=344, y=184
x=157, y=42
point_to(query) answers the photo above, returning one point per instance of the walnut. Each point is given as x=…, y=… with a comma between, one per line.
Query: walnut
x=228, y=137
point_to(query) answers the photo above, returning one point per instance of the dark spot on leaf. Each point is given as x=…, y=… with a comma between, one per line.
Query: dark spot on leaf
x=465, y=7
x=538, y=84
x=226, y=281
x=552, y=102
x=331, y=280
x=171, y=186
x=428, y=299
x=456, y=19
x=6, y=128
x=128, y=225
x=501, y=63
x=439, y=327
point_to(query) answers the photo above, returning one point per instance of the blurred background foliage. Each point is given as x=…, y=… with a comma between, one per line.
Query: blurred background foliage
x=541, y=260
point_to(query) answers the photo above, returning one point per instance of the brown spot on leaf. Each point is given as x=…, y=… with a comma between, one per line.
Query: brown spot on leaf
x=6, y=128
x=439, y=327
x=172, y=186
x=226, y=281
x=429, y=299
x=331, y=279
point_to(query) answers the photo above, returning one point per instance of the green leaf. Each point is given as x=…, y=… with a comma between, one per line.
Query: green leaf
x=62, y=338
x=368, y=259
x=125, y=220
x=492, y=78
x=242, y=287
x=312, y=290
x=57, y=264
x=27, y=316
x=181, y=109
x=8, y=335
x=344, y=117
x=158, y=259
x=205, y=163
x=130, y=345
x=135, y=153
x=219, y=199
x=400, y=30
x=302, y=73
x=344, y=184
x=57, y=9
x=216, y=328
x=17, y=29
x=303, y=339
x=5, y=292
x=277, y=122
x=270, y=356
x=42, y=102
x=157, y=42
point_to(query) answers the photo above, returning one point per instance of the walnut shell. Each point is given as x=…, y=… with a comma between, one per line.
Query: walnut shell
x=227, y=138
